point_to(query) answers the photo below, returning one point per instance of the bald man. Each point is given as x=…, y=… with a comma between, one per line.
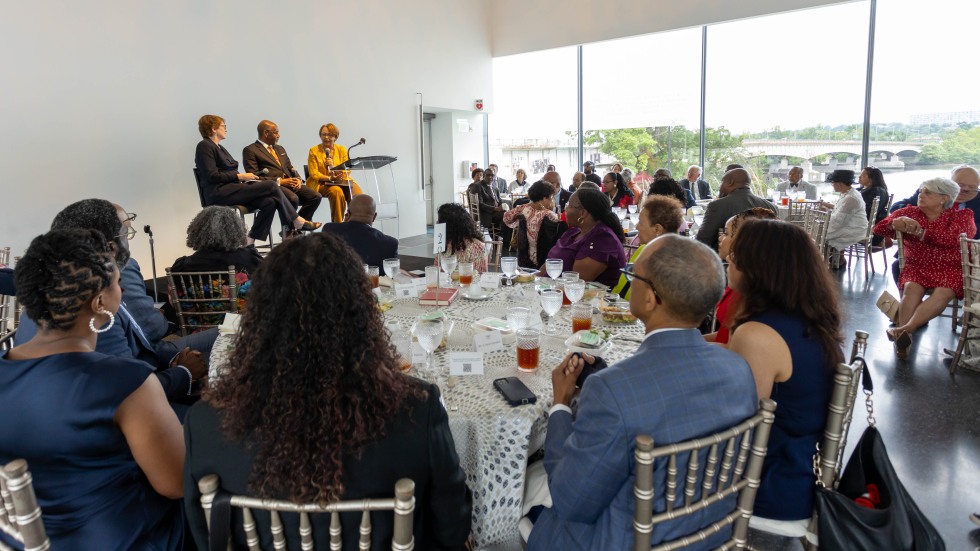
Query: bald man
x=561, y=195
x=734, y=197
x=372, y=245
x=797, y=184
x=267, y=154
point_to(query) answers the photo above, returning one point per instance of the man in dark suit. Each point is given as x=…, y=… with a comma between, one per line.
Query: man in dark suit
x=694, y=177
x=266, y=153
x=675, y=388
x=733, y=197
x=372, y=245
x=561, y=195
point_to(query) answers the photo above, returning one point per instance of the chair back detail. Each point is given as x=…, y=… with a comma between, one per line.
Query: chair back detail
x=815, y=224
x=798, y=211
x=473, y=204
x=741, y=451
x=7, y=340
x=493, y=251
x=202, y=298
x=403, y=506
x=970, y=260
x=21, y=516
x=9, y=309
x=862, y=249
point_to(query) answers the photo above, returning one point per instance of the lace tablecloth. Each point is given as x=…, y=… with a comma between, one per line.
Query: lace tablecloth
x=493, y=439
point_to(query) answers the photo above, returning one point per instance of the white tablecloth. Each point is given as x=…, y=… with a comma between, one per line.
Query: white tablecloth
x=493, y=439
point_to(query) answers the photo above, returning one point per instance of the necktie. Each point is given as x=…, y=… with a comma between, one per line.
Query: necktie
x=274, y=156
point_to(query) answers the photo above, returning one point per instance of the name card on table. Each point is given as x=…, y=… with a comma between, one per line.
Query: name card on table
x=418, y=354
x=487, y=341
x=490, y=280
x=419, y=283
x=406, y=290
x=439, y=238
x=466, y=363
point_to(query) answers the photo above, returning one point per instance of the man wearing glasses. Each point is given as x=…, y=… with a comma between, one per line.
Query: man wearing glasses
x=674, y=388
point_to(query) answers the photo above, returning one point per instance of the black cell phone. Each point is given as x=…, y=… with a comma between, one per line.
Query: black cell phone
x=515, y=392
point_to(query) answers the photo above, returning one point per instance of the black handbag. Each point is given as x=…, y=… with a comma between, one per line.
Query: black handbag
x=895, y=522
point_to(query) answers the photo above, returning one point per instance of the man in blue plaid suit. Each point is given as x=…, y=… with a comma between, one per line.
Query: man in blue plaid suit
x=676, y=387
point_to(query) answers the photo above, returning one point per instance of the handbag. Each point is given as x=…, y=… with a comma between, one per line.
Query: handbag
x=888, y=305
x=870, y=509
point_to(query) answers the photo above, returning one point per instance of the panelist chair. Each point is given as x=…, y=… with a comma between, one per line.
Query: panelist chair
x=829, y=457
x=21, y=517
x=732, y=466
x=201, y=299
x=403, y=506
x=954, y=304
x=242, y=209
x=343, y=187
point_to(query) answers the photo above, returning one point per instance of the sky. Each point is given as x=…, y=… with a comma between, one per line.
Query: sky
x=790, y=70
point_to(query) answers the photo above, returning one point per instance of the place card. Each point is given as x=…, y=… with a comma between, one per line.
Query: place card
x=439, y=238
x=490, y=280
x=487, y=341
x=466, y=363
x=419, y=283
x=406, y=290
x=418, y=354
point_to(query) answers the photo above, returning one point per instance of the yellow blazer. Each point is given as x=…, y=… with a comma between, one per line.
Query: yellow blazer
x=317, y=162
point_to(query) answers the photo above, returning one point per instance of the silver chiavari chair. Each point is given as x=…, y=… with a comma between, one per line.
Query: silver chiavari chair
x=21, y=516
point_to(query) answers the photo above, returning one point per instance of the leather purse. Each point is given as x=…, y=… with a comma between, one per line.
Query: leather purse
x=870, y=509
x=888, y=305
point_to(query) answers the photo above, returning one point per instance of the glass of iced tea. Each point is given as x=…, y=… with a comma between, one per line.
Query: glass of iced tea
x=581, y=316
x=431, y=277
x=372, y=272
x=465, y=273
x=528, y=349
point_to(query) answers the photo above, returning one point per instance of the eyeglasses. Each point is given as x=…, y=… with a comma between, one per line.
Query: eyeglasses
x=130, y=216
x=630, y=275
x=129, y=234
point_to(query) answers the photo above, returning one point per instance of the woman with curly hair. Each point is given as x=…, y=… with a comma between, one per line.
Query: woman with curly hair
x=330, y=419
x=669, y=187
x=217, y=235
x=614, y=186
x=102, y=442
x=593, y=244
x=463, y=238
x=788, y=328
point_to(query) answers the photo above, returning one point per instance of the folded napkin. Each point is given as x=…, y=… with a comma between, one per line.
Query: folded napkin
x=230, y=324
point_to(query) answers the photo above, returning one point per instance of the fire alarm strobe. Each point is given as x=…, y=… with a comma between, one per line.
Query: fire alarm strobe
x=479, y=105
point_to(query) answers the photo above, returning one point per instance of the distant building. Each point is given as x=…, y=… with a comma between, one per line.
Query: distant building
x=950, y=118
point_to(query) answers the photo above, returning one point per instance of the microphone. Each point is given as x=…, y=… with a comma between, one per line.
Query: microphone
x=153, y=259
x=262, y=172
x=362, y=141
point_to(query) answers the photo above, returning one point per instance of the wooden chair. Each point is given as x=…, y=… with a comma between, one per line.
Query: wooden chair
x=403, y=506
x=970, y=259
x=493, y=251
x=740, y=451
x=954, y=304
x=829, y=458
x=21, y=516
x=242, y=209
x=862, y=249
x=201, y=299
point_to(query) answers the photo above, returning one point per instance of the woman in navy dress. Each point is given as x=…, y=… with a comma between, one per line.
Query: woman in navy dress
x=103, y=445
x=788, y=327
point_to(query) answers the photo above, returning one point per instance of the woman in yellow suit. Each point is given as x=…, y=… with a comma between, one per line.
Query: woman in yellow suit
x=323, y=157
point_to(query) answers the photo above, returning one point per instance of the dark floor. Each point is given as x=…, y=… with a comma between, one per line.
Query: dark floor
x=929, y=420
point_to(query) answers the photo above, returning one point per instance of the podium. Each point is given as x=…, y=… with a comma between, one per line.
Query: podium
x=368, y=172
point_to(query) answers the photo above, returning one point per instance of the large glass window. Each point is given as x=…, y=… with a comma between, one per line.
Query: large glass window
x=535, y=113
x=925, y=109
x=785, y=90
x=640, y=100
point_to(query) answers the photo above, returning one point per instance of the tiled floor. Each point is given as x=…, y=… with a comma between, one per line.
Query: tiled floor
x=929, y=420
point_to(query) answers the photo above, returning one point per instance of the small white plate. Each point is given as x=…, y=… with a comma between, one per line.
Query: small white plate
x=482, y=296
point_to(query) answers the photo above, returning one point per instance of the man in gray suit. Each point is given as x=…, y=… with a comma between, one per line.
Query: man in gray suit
x=734, y=197
x=674, y=388
x=796, y=183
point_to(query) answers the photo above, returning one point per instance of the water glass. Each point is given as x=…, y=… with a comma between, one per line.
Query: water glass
x=448, y=262
x=575, y=290
x=551, y=303
x=518, y=317
x=392, y=267
x=429, y=335
x=372, y=272
x=431, y=277
x=528, y=350
x=581, y=317
x=554, y=267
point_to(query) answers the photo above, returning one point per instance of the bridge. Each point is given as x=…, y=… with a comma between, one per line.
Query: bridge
x=809, y=149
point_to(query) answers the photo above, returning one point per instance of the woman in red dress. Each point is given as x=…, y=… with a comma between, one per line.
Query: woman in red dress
x=931, y=236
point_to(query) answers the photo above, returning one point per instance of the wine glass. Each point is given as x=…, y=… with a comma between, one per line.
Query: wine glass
x=448, y=262
x=575, y=290
x=632, y=208
x=392, y=267
x=551, y=304
x=508, y=265
x=429, y=335
x=554, y=267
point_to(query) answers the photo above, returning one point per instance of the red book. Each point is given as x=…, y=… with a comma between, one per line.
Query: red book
x=436, y=297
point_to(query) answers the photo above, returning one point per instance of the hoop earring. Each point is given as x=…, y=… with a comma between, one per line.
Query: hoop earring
x=581, y=219
x=112, y=320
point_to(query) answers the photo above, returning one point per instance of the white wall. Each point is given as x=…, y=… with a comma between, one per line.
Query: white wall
x=520, y=26
x=101, y=98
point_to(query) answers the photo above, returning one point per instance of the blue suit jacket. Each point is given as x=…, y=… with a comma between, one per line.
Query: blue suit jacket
x=372, y=245
x=140, y=304
x=676, y=387
x=972, y=204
